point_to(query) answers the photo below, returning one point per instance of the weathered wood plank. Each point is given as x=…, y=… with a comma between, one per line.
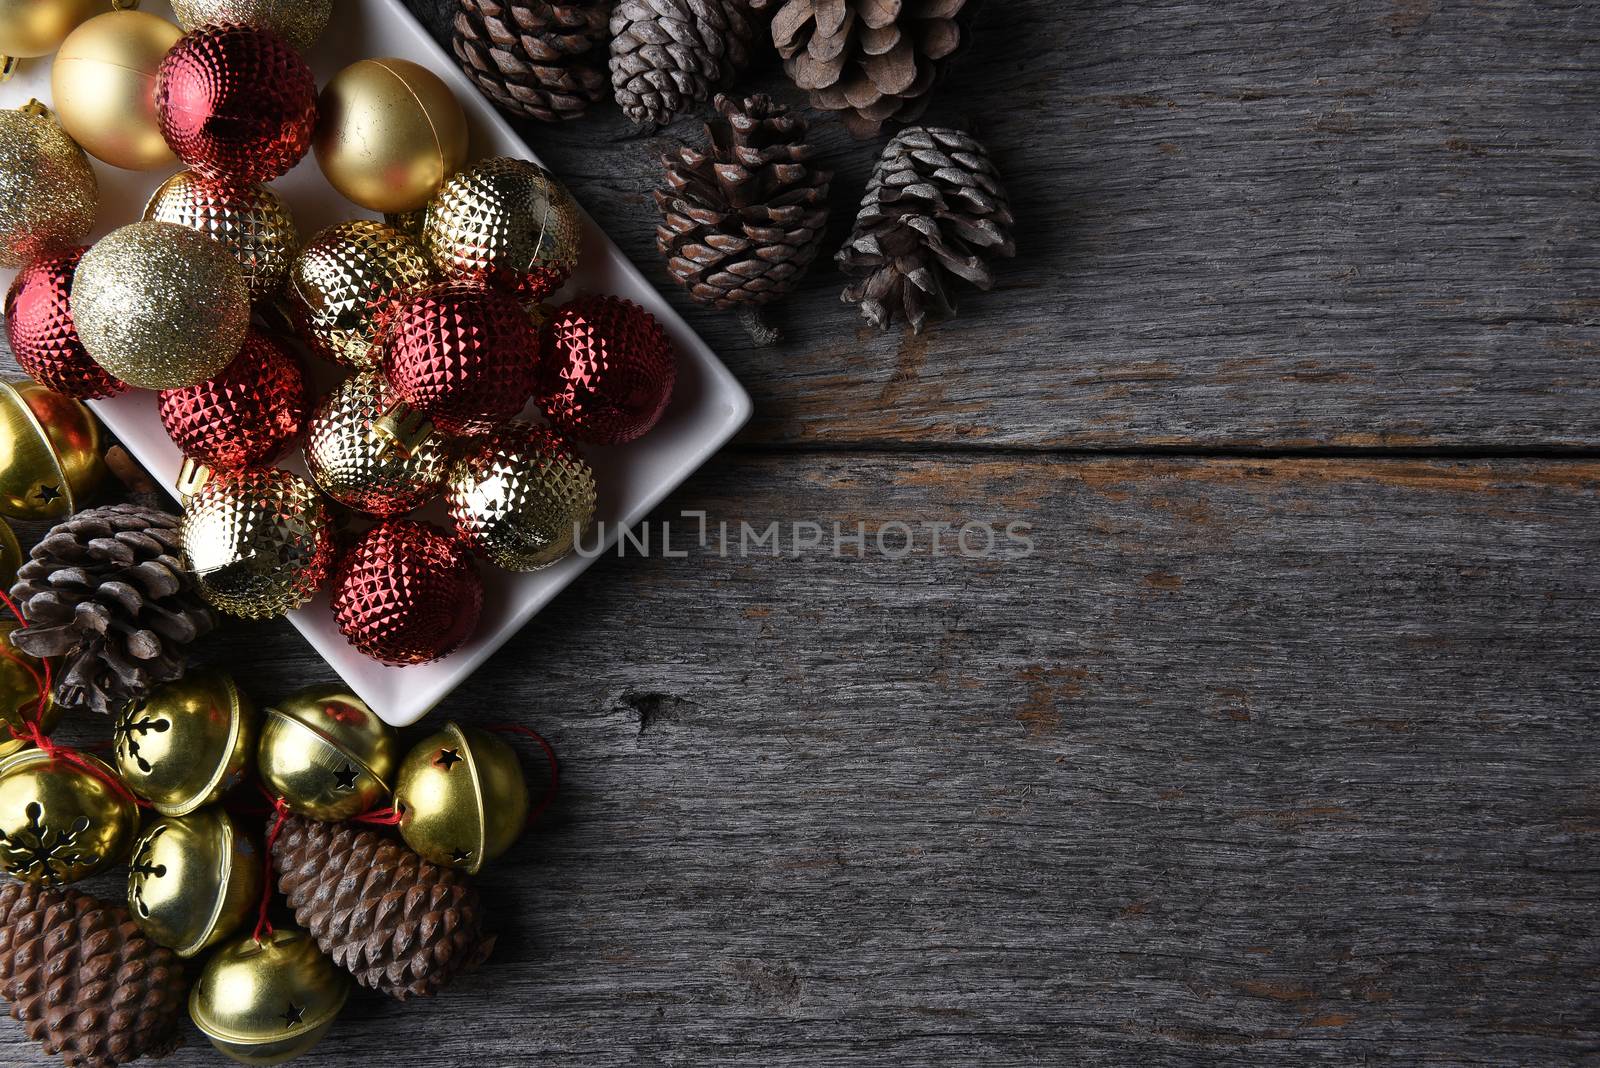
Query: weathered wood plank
x=1271, y=763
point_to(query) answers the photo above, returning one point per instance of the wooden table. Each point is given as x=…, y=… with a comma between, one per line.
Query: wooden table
x=1279, y=746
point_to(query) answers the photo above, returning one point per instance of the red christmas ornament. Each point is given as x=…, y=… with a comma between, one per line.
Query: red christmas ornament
x=406, y=593
x=245, y=416
x=42, y=335
x=608, y=370
x=235, y=102
x=462, y=356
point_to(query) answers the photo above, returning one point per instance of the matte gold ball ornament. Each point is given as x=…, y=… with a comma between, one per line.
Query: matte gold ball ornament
x=60, y=822
x=50, y=458
x=33, y=28
x=327, y=754
x=250, y=220
x=298, y=22
x=389, y=134
x=462, y=798
x=19, y=692
x=103, y=87
x=343, y=283
x=188, y=743
x=258, y=540
x=267, y=1001
x=48, y=191
x=193, y=880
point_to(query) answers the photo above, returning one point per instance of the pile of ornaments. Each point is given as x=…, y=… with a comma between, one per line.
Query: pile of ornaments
x=437, y=313
x=400, y=917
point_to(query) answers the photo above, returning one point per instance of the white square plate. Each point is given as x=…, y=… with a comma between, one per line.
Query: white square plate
x=708, y=407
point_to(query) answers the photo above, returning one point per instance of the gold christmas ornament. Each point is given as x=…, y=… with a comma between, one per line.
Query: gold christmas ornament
x=251, y=221
x=48, y=191
x=50, y=459
x=344, y=281
x=103, y=86
x=508, y=222
x=188, y=743
x=19, y=693
x=327, y=754
x=267, y=1002
x=299, y=22
x=33, y=28
x=160, y=306
x=58, y=822
x=354, y=466
x=258, y=541
x=389, y=133
x=193, y=880
x=521, y=495
x=462, y=798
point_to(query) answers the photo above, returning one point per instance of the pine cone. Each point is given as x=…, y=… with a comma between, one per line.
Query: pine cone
x=934, y=205
x=106, y=590
x=744, y=220
x=669, y=55
x=84, y=981
x=875, y=60
x=391, y=919
x=543, y=60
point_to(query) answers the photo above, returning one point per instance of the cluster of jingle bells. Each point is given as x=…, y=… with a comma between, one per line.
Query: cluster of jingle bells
x=438, y=315
x=197, y=880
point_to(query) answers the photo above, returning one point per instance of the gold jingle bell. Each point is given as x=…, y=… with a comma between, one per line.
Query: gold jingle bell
x=462, y=798
x=269, y=1001
x=19, y=693
x=186, y=744
x=49, y=452
x=193, y=880
x=58, y=822
x=327, y=754
x=10, y=556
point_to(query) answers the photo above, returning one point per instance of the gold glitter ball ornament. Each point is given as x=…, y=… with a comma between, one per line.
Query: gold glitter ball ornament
x=103, y=87
x=520, y=495
x=462, y=798
x=50, y=459
x=345, y=280
x=186, y=744
x=250, y=220
x=507, y=222
x=258, y=541
x=298, y=22
x=160, y=306
x=327, y=754
x=193, y=880
x=48, y=192
x=19, y=694
x=267, y=1002
x=354, y=466
x=58, y=822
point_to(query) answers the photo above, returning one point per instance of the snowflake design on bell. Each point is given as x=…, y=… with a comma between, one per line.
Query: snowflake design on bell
x=41, y=853
x=133, y=725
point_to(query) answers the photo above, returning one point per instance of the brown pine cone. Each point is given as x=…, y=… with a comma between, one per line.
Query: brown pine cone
x=543, y=60
x=107, y=591
x=875, y=60
x=934, y=206
x=83, y=979
x=391, y=919
x=669, y=55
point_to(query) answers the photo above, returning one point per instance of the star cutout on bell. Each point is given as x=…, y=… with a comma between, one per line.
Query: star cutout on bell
x=293, y=1016
x=47, y=494
x=448, y=758
x=460, y=856
x=346, y=777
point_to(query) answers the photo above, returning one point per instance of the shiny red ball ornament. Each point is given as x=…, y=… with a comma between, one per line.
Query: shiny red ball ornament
x=247, y=415
x=608, y=370
x=406, y=593
x=464, y=357
x=236, y=102
x=42, y=335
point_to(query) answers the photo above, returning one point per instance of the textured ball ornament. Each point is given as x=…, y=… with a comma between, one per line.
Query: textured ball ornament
x=33, y=28
x=389, y=133
x=44, y=339
x=160, y=306
x=187, y=744
x=58, y=822
x=407, y=594
x=267, y=1002
x=193, y=881
x=327, y=754
x=19, y=690
x=462, y=798
x=247, y=415
x=299, y=22
x=346, y=280
x=507, y=222
x=258, y=541
x=251, y=221
x=352, y=464
x=520, y=495
x=103, y=86
x=48, y=191
x=608, y=372
x=49, y=452
x=235, y=102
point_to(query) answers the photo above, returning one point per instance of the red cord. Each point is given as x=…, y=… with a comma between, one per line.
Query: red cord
x=383, y=817
x=550, y=755
x=264, y=925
